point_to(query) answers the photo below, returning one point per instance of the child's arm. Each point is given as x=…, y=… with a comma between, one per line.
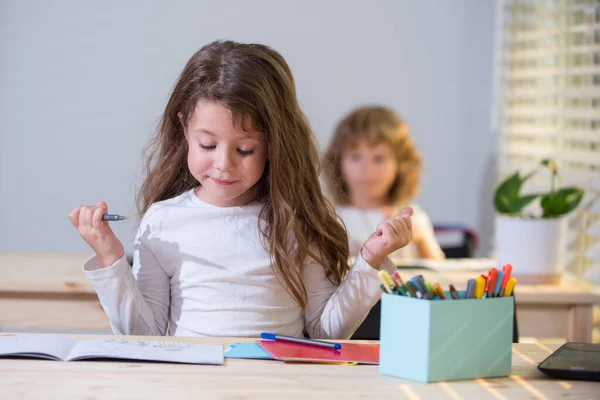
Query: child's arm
x=136, y=302
x=335, y=312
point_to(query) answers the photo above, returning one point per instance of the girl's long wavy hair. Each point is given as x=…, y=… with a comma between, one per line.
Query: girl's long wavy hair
x=256, y=84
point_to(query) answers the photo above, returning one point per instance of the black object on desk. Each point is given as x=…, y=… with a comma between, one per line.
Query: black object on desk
x=579, y=361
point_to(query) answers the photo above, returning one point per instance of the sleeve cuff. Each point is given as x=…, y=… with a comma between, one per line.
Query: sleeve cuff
x=94, y=271
x=386, y=265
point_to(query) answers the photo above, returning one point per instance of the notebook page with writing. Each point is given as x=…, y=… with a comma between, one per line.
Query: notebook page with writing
x=164, y=351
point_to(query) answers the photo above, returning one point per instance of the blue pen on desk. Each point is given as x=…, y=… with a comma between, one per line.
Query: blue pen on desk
x=113, y=217
x=311, y=342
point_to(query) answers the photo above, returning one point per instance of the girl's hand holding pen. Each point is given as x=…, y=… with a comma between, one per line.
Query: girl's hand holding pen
x=97, y=233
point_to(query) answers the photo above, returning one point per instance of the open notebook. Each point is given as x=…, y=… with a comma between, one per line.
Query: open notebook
x=61, y=348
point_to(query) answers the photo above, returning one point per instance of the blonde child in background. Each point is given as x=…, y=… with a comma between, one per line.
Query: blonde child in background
x=373, y=169
x=236, y=236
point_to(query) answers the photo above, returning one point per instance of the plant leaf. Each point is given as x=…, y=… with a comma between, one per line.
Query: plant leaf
x=561, y=202
x=506, y=197
x=524, y=201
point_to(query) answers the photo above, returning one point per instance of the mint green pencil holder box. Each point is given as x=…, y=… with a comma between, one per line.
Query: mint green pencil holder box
x=444, y=340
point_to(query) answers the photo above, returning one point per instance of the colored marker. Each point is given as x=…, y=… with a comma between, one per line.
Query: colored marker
x=507, y=269
x=410, y=288
x=453, y=293
x=437, y=289
x=283, y=338
x=499, y=279
x=492, y=282
x=421, y=288
x=430, y=289
x=383, y=276
x=399, y=283
x=396, y=277
x=470, y=289
x=479, y=287
x=510, y=286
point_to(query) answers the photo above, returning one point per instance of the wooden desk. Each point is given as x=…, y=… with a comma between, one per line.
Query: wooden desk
x=245, y=379
x=49, y=292
x=543, y=311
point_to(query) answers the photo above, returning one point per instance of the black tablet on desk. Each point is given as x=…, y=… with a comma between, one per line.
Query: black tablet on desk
x=573, y=361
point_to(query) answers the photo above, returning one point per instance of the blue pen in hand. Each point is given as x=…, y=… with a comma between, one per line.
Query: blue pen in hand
x=113, y=217
x=311, y=342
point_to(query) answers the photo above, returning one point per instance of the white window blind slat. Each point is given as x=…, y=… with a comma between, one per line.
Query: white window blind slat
x=579, y=156
x=595, y=207
x=517, y=73
x=594, y=252
x=533, y=133
x=547, y=52
x=544, y=93
x=586, y=179
x=594, y=230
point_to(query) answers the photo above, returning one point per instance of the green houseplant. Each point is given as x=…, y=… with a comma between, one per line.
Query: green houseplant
x=533, y=242
x=554, y=203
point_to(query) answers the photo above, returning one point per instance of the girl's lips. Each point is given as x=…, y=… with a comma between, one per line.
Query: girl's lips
x=222, y=182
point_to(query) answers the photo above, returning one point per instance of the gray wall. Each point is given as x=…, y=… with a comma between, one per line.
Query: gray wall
x=82, y=86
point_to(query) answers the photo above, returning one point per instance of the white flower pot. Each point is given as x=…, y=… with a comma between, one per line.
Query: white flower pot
x=535, y=247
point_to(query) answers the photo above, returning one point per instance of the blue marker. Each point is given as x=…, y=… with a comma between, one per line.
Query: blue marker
x=470, y=293
x=498, y=283
x=419, y=283
x=311, y=342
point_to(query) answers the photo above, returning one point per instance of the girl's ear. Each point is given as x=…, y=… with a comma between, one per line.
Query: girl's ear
x=185, y=131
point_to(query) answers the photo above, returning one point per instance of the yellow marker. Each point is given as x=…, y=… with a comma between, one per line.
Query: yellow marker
x=388, y=278
x=387, y=281
x=510, y=285
x=479, y=287
x=437, y=289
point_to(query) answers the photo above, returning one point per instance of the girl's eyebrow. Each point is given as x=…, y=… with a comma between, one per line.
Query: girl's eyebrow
x=244, y=135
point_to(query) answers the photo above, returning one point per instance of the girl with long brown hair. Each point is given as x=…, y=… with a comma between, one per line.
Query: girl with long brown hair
x=236, y=236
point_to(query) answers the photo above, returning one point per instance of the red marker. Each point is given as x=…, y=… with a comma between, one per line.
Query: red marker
x=507, y=269
x=487, y=281
x=491, y=282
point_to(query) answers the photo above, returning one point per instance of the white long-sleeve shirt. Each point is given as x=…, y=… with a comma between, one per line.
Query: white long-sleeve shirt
x=201, y=270
x=361, y=223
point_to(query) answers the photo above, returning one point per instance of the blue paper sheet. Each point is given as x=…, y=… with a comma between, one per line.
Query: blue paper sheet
x=247, y=350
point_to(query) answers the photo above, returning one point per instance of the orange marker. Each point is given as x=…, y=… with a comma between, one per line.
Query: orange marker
x=437, y=289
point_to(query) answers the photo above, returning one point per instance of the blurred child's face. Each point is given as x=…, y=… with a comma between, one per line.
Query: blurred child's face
x=226, y=160
x=369, y=172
